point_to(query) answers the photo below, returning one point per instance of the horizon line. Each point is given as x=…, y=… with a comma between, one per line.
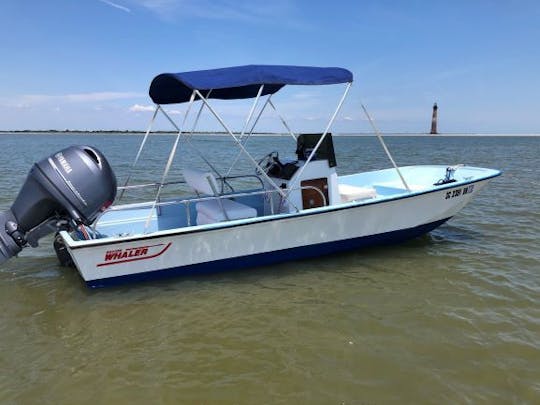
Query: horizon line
x=220, y=133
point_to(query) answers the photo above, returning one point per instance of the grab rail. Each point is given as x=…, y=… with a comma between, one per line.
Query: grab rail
x=169, y=183
x=188, y=201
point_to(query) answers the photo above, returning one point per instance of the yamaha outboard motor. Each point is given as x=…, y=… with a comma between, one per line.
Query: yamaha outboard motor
x=62, y=191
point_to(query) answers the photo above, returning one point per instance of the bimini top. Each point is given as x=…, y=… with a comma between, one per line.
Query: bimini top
x=240, y=81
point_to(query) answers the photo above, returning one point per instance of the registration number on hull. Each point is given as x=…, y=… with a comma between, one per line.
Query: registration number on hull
x=459, y=192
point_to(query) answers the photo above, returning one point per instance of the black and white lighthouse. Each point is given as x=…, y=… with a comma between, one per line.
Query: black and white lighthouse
x=434, y=120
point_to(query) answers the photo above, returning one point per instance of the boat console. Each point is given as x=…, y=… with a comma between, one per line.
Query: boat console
x=309, y=183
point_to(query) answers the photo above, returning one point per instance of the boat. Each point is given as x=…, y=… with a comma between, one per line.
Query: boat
x=278, y=211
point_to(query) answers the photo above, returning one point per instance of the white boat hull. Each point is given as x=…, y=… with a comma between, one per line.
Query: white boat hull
x=265, y=240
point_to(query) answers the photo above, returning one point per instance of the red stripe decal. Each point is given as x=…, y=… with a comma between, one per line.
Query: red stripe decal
x=118, y=256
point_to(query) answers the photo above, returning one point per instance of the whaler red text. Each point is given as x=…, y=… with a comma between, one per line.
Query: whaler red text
x=125, y=253
x=132, y=254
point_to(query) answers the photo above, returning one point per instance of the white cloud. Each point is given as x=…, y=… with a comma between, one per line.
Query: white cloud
x=117, y=6
x=306, y=95
x=17, y=105
x=100, y=96
x=254, y=11
x=31, y=100
x=150, y=108
x=141, y=108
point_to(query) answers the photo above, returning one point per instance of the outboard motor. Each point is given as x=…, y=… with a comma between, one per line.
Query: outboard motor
x=62, y=191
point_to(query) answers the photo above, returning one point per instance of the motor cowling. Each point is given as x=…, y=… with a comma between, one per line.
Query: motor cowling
x=69, y=187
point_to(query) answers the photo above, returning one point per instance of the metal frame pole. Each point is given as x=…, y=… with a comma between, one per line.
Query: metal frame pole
x=252, y=110
x=188, y=139
x=140, y=151
x=198, y=115
x=170, y=160
x=283, y=120
x=297, y=176
x=280, y=191
x=250, y=115
x=385, y=148
x=258, y=117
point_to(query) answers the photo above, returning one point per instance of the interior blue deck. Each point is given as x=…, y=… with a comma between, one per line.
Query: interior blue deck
x=132, y=221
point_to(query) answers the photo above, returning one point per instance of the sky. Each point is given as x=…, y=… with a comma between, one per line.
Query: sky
x=87, y=64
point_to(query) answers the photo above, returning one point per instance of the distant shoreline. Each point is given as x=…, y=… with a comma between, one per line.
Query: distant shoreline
x=217, y=133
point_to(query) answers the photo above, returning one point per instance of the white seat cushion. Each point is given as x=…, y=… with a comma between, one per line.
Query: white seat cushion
x=353, y=193
x=202, y=182
x=212, y=212
x=203, y=219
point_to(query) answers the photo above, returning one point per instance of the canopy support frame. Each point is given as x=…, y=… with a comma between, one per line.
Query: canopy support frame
x=248, y=120
x=379, y=136
x=188, y=137
x=241, y=146
x=170, y=160
x=326, y=130
x=141, y=147
x=283, y=121
x=271, y=104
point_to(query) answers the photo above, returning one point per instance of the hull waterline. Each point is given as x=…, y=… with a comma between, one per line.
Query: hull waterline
x=269, y=258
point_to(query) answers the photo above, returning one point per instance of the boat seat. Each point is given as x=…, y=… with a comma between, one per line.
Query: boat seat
x=349, y=193
x=211, y=211
x=218, y=209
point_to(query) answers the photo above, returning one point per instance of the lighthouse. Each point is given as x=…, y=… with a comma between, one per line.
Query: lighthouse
x=434, y=120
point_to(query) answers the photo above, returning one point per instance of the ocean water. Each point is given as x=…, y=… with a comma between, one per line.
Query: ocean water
x=451, y=317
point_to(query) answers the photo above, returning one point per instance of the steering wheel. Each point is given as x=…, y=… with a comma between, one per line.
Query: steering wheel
x=267, y=162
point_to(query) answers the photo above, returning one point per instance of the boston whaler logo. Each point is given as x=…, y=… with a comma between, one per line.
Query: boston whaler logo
x=132, y=254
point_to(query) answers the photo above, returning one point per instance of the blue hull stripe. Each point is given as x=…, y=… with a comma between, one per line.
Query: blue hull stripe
x=261, y=259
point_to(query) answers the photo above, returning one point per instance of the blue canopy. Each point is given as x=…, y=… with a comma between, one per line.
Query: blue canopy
x=240, y=81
